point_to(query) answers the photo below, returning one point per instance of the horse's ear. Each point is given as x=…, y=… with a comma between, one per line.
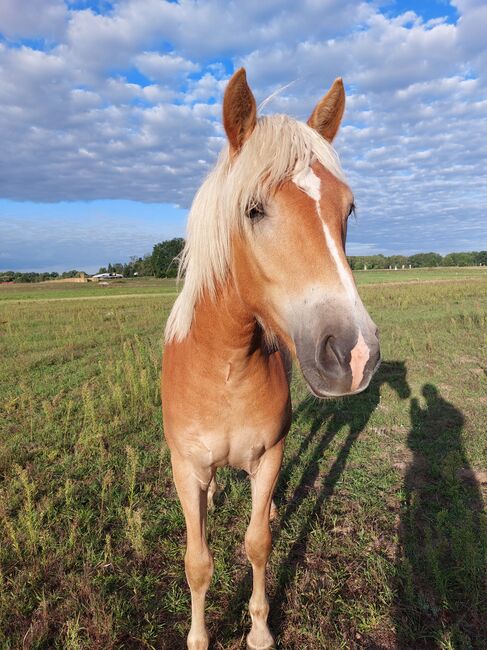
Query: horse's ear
x=328, y=112
x=239, y=110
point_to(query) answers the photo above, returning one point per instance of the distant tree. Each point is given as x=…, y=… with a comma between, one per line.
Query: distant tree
x=163, y=258
x=425, y=259
x=480, y=257
x=70, y=274
x=138, y=266
x=397, y=260
x=118, y=267
x=143, y=266
x=459, y=259
x=375, y=261
x=27, y=277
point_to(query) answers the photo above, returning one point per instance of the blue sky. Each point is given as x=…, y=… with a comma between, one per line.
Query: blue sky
x=110, y=117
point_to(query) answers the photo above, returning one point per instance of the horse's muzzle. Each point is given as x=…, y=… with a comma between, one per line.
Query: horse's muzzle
x=337, y=366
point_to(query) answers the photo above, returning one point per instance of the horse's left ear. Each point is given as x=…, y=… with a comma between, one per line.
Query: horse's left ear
x=328, y=112
x=239, y=110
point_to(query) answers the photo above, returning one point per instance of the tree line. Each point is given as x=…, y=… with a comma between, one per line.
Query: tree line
x=419, y=260
x=163, y=263
x=33, y=276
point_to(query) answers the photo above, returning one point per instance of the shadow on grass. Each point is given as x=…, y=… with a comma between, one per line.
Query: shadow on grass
x=441, y=590
x=352, y=413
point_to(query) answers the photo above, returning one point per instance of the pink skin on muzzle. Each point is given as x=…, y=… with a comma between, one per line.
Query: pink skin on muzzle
x=360, y=355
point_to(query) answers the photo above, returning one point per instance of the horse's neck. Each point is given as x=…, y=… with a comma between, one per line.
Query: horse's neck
x=225, y=329
x=221, y=365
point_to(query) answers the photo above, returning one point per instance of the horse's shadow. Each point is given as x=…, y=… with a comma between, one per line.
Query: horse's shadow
x=353, y=413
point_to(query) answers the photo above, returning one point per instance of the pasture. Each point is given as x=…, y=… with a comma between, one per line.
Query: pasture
x=381, y=539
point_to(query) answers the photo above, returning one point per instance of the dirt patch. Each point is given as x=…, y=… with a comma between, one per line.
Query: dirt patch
x=473, y=475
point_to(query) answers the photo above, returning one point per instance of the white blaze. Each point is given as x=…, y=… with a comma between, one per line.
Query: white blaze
x=310, y=183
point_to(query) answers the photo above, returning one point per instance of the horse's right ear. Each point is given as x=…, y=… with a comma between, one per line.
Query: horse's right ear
x=239, y=111
x=328, y=112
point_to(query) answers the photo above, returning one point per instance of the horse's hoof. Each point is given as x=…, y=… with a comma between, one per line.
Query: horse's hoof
x=262, y=641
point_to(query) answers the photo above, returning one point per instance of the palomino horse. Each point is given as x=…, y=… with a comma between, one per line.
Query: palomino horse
x=265, y=273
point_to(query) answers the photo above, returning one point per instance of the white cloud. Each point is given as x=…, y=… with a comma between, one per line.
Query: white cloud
x=165, y=68
x=32, y=18
x=79, y=120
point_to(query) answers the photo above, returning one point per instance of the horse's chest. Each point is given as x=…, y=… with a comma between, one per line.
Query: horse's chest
x=227, y=418
x=244, y=431
x=235, y=430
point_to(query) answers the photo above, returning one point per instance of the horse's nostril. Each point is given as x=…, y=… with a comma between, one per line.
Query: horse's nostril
x=332, y=357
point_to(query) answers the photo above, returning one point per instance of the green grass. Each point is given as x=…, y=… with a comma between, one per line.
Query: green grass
x=446, y=273
x=381, y=539
x=55, y=291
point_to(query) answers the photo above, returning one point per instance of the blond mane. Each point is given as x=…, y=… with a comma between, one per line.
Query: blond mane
x=278, y=148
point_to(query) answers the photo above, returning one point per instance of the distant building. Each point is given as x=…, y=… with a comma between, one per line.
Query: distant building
x=106, y=276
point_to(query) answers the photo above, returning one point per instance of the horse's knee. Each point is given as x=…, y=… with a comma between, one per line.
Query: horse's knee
x=258, y=544
x=199, y=568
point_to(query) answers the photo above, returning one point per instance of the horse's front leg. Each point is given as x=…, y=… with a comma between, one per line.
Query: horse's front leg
x=192, y=492
x=258, y=544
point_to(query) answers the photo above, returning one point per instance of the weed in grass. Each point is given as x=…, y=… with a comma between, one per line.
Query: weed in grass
x=107, y=550
x=10, y=529
x=131, y=473
x=29, y=522
x=135, y=532
x=74, y=635
x=106, y=484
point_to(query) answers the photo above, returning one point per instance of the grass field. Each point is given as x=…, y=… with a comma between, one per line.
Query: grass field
x=54, y=291
x=381, y=540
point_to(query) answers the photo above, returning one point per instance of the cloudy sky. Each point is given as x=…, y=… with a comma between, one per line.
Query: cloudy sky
x=110, y=116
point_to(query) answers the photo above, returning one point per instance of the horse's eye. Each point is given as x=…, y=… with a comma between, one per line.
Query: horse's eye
x=352, y=209
x=255, y=213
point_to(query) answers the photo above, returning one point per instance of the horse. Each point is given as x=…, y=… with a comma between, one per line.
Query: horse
x=266, y=280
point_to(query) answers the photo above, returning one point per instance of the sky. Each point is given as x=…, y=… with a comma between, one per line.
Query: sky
x=110, y=117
